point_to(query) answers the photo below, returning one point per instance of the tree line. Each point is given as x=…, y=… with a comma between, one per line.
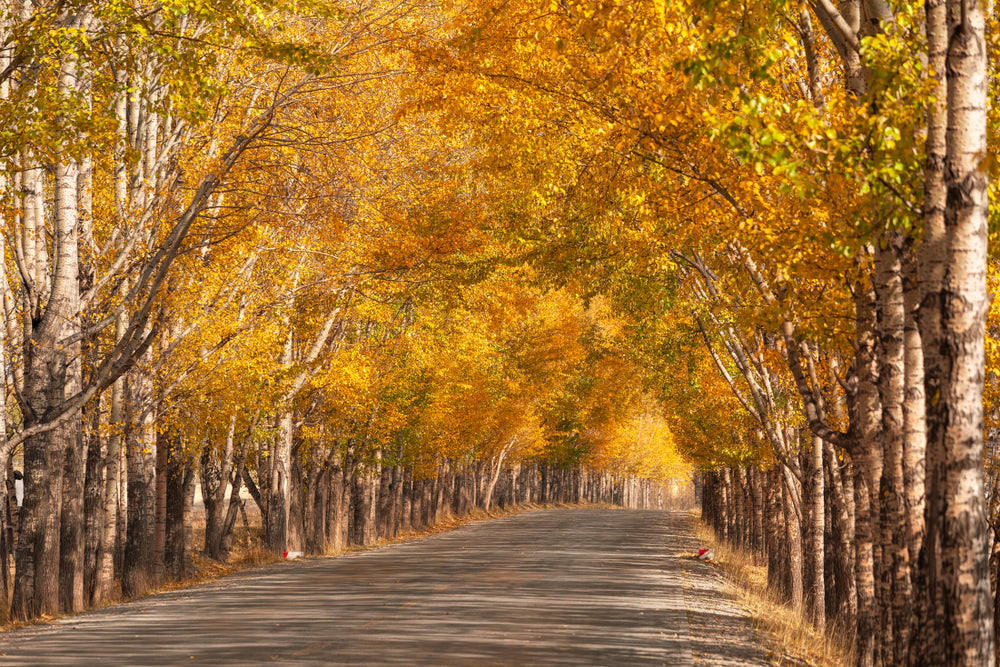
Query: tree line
x=235, y=258
x=751, y=237
x=790, y=204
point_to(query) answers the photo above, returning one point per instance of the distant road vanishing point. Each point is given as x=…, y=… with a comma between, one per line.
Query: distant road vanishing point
x=553, y=587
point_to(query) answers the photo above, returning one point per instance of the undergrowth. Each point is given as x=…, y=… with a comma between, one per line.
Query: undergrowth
x=790, y=637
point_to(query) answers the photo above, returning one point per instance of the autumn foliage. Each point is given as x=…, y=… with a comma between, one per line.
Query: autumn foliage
x=375, y=262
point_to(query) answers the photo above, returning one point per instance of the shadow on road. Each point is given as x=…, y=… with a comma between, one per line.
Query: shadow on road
x=560, y=587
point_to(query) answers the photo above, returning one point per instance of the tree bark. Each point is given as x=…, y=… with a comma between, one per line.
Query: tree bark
x=775, y=531
x=277, y=485
x=914, y=429
x=72, y=519
x=954, y=375
x=335, y=512
x=793, y=537
x=406, y=509
x=178, y=558
x=139, y=564
x=865, y=649
x=105, y=577
x=94, y=502
x=841, y=493
x=817, y=531
x=931, y=268
x=163, y=443
x=49, y=372
x=895, y=562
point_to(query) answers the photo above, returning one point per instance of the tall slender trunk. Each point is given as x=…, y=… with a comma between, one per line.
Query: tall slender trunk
x=956, y=308
x=864, y=571
x=362, y=504
x=335, y=513
x=866, y=414
x=931, y=267
x=49, y=372
x=817, y=531
x=139, y=564
x=406, y=509
x=497, y=468
x=72, y=520
x=215, y=473
x=178, y=556
x=277, y=486
x=104, y=581
x=397, y=500
x=163, y=444
x=757, y=489
x=895, y=566
x=296, y=503
x=793, y=536
x=94, y=501
x=841, y=493
x=775, y=530
x=7, y=488
x=914, y=429
x=318, y=479
x=385, y=494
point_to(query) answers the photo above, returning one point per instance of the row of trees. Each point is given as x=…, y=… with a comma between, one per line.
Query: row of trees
x=461, y=239
x=877, y=428
x=236, y=257
x=803, y=189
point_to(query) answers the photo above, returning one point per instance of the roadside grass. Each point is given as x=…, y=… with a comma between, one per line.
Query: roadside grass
x=246, y=553
x=790, y=637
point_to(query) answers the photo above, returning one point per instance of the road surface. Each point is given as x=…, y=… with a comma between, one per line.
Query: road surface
x=556, y=587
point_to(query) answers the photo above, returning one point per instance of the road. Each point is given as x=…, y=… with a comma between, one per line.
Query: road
x=555, y=587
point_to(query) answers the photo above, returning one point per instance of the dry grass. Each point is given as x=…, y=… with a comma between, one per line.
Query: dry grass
x=791, y=638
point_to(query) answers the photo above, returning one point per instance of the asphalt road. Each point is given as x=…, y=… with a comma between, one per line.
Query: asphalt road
x=557, y=587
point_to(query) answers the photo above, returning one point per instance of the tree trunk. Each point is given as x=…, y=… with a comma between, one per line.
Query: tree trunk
x=139, y=565
x=931, y=269
x=914, y=443
x=895, y=564
x=214, y=473
x=397, y=500
x=864, y=571
x=361, y=503
x=759, y=541
x=277, y=484
x=296, y=501
x=8, y=504
x=178, y=558
x=47, y=373
x=866, y=415
x=94, y=502
x=775, y=529
x=324, y=485
x=842, y=530
x=793, y=537
x=163, y=443
x=104, y=581
x=347, y=498
x=335, y=512
x=73, y=522
x=406, y=509
x=953, y=316
x=817, y=531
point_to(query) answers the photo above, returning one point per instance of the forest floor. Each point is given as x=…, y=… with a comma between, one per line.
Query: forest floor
x=554, y=587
